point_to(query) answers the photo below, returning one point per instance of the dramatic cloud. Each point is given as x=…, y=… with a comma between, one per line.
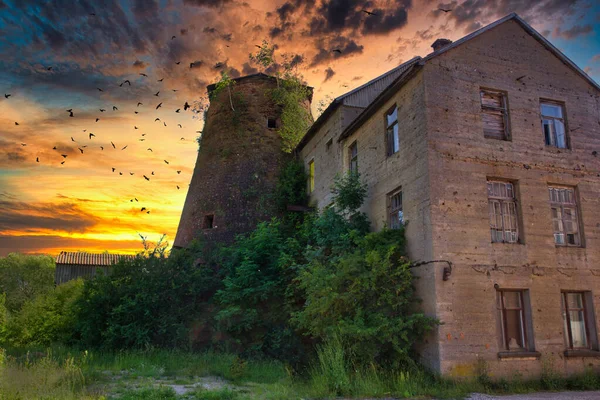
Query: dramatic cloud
x=206, y=3
x=139, y=64
x=326, y=53
x=329, y=73
x=65, y=217
x=574, y=32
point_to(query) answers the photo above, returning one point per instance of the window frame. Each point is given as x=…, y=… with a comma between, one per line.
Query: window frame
x=311, y=176
x=563, y=107
x=502, y=201
x=389, y=149
x=526, y=320
x=353, y=157
x=391, y=212
x=567, y=318
x=208, y=217
x=504, y=109
x=578, y=221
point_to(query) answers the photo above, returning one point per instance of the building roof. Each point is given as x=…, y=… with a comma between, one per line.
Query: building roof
x=360, y=97
x=83, y=258
x=400, y=80
x=212, y=86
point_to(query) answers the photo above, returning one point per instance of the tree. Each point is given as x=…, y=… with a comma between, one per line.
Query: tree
x=23, y=277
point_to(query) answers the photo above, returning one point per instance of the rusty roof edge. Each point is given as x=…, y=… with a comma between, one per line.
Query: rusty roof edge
x=381, y=98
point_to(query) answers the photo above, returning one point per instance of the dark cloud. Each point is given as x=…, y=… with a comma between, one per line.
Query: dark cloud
x=2, y=5
x=247, y=69
x=206, y=3
x=325, y=52
x=387, y=21
x=573, y=32
x=226, y=37
x=209, y=29
x=329, y=73
x=62, y=217
x=14, y=156
x=138, y=64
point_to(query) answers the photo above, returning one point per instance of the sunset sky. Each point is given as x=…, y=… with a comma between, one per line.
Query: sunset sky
x=46, y=206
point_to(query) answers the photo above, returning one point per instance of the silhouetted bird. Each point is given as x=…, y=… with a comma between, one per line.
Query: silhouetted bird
x=178, y=62
x=152, y=151
x=157, y=119
x=93, y=14
x=113, y=145
x=62, y=163
x=71, y=114
x=124, y=147
x=178, y=172
x=125, y=81
x=143, y=208
x=336, y=51
x=115, y=108
x=186, y=106
x=152, y=172
x=135, y=127
x=174, y=90
x=113, y=169
x=54, y=148
x=158, y=106
x=166, y=161
x=16, y=123
x=164, y=123
x=172, y=37
x=368, y=12
x=49, y=68
x=161, y=79
x=91, y=134
x=64, y=155
x=445, y=9
x=156, y=94
x=140, y=104
x=7, y=95
x=144, y=75
x=23, y=144
x=177, y=187
x=146, y=178
x=180, y=125
x=100, y=89
x=101, y=147
x=141, y=140
x=102, y=110
x=143, y=134
x=182, y=139
x=135, y=112
x=37, y=159
x=131, y=173
x=72, y=140
x=177, y=110
x=120, y=173
x=97, y=119
x=80, y=149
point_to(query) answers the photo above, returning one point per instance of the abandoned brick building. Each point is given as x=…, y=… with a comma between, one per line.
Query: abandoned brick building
x=485, y=151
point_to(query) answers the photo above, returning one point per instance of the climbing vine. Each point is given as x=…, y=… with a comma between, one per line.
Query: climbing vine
x=290, y=94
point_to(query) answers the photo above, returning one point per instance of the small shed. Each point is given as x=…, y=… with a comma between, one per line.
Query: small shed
x=73, y=265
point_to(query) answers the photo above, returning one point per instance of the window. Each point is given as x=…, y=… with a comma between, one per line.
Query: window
x=494, y=114
x=328, y=144
x=271, y=123
x=574, y=318
x=503, y=212
x=395, y=215
x=311, y=176
x=553, y=124
x=353, y=155
x=391, y=127
x=564, y=216
x=208, y=221
x=513, y=312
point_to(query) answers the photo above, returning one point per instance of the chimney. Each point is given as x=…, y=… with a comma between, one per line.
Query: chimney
x=440, y=43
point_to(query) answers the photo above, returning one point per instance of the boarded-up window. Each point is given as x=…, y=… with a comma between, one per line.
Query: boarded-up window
x=512, y=314
x=564, y=216
x=391, y=128
x=494, y=113
x=395, y=214
x=553, y=123
x=503, y=212
x=311, y=176
x=353, y=157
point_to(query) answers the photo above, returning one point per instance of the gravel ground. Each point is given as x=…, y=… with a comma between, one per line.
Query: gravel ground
x=540, y=396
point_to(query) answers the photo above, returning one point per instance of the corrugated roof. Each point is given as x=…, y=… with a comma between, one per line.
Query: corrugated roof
x=83, y=258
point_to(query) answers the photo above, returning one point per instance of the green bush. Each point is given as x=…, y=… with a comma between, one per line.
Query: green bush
x=152, y=300
x=47, y=319
x=23, y=277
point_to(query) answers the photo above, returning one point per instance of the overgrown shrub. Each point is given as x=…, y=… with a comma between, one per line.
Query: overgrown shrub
x=23, y=277
x=47, y=319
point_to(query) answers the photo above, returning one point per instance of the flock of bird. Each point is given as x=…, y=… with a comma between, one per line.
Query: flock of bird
x=91, y=135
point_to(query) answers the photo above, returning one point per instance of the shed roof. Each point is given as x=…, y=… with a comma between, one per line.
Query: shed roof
x=83, y=258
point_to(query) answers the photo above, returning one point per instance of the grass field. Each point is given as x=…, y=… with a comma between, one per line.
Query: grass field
x=63, y=373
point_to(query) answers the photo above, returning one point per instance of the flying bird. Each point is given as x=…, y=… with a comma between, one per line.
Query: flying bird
x=80, y=149
x=177, y=110
x=177, y=187
x=172, y=37
x=91, y=134
x=180, y=125
x=16, y=123
x=158, y=106
x=113, y=145
x=71, y=114
x=124, y=147
x=72, y=140
x=218, y=65
x=135, y=127
x=336, y=51
x=368, y=12
x=446, y=10
x=156, y=94
x=37, y=159
x=100, y=89
x=49, y=68
x=54, y=148
x=143, y=134
x=23, y=144
x=62, y=163
x=152, y=151
x=174, y=90
x=93, y=14
x=144, y=75
x=115, y=108
x=141, y=140
x=102, y=110
x=120, y=173
x=101, y=147
x=140, y=104
x=161, y=79
x=135, y=112
x=146, y=178
x=164, y=123
x=178, y=172
x=7, y=95
x=64, y=155
x=166, y=161
x=178, y=62
x=131, y=173
x=125, y=81
x=143, y=208
x=97, y=119
x=157, y=119
x=152, y=172
x=186, y=106
x=113, y=169
x=182, y=139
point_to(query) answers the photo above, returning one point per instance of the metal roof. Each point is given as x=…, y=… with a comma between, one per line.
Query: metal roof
x=82, y=258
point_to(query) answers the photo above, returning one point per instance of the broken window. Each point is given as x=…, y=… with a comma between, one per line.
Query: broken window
x=553, y=124
x=513, y=321
x=311, y=176
x=503, y=212
x=271, y=123
x=494, y=114
x=392, y=134
x=208, y=221
x=353, y=156
x=575, y=320
x=564, y=216
x=395, y=214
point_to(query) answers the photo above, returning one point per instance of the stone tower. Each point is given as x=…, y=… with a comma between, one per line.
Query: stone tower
x=238, y=163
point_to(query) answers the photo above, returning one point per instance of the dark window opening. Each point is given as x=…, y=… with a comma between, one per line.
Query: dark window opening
x=353, y=155
x=208, y=221
x=391, y=131
x=515, y=320
x=328, y=144
x=395, y=213
x=271, y=123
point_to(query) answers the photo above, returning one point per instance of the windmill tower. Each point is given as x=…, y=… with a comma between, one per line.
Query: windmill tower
x=238, y=163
